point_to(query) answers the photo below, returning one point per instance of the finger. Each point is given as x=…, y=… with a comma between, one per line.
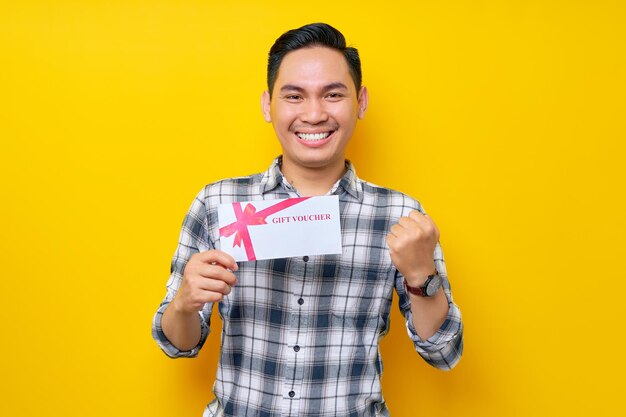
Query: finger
x=214, y=285
x=391, y=241
x=204, y=290
x=418, y=216
x=408, y=222
x=217, y=272
x=424, y=220
x=397, y=230
x=205, y=296
x=218, y=257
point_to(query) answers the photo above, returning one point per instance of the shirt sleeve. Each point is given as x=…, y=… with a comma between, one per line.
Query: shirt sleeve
x=443, y=350
x=194, y=237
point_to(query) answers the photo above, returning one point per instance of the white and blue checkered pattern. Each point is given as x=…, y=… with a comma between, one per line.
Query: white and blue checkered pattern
x=300, y=335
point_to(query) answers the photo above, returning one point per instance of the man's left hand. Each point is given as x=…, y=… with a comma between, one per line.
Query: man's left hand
x=412, y=243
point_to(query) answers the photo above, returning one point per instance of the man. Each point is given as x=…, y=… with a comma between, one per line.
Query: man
x=300, y=335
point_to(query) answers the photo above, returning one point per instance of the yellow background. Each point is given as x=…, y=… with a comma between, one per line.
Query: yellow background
x=505, y=118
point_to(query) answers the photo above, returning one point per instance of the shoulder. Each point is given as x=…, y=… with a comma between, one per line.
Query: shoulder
x=230, y=189
x=396, y=202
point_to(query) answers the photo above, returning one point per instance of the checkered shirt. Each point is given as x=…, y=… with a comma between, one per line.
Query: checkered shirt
x=301, y=335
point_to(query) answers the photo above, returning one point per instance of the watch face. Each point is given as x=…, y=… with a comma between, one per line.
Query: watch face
x=433, y=285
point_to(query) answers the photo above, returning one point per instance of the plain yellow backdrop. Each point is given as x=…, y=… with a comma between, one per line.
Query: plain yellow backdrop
x=505, y=118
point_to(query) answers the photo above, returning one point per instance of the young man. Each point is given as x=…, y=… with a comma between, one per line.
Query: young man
x=300, y=335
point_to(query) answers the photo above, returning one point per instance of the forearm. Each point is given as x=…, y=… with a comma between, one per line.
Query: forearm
x=428, y=313
x=182, y=329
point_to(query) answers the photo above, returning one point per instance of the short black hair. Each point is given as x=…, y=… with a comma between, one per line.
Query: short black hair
x=308, y=36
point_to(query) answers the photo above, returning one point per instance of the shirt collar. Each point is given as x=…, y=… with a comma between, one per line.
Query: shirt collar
x=349, y=182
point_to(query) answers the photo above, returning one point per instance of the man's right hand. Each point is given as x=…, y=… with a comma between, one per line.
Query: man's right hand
x=208, y=277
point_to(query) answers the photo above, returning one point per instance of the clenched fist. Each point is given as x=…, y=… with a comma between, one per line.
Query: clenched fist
x=412, y=243
x=207, y=278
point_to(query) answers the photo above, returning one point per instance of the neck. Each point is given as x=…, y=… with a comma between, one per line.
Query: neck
x=313, y=181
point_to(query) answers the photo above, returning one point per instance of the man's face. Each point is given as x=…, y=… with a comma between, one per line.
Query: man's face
x=314, y=107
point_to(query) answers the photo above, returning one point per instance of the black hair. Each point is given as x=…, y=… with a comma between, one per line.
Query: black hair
x=315, y=34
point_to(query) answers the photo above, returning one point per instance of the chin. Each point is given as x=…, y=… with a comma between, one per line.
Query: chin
x=319, y=162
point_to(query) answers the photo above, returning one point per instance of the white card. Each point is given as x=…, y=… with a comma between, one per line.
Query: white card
x=267, y=229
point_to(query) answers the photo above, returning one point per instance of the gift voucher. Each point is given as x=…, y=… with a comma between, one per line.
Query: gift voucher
x=267, y=229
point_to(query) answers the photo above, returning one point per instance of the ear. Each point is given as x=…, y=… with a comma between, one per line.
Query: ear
x=265, y=106
x=363, y=101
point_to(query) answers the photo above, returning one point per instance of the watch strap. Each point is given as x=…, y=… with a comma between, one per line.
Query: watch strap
x=421, y=290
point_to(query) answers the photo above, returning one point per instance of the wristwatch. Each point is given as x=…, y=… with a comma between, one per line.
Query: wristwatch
x=428, y=288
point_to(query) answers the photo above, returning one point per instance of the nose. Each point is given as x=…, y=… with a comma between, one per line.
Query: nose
x=314, y=112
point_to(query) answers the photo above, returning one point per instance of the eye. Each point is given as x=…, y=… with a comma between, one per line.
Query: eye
x=334, y=96
x=293, y=97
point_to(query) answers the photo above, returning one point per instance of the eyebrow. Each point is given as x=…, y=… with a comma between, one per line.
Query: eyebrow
x=328, y=87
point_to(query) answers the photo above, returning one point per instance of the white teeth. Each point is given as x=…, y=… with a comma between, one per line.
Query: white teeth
x=313, y=136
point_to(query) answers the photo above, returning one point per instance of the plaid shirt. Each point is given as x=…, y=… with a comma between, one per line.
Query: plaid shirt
x=300, y=335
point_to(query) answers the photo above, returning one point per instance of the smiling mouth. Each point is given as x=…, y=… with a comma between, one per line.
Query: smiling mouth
x=314, y=137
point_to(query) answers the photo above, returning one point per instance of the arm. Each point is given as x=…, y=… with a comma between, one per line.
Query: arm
x=444, y=348
x=181, y=323
x=207, y=279
x=434, y=323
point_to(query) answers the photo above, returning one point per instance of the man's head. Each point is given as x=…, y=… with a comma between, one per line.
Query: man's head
x=315, y=34
x=316, y=99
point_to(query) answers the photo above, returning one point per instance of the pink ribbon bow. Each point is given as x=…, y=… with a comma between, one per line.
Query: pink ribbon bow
x=250, y=217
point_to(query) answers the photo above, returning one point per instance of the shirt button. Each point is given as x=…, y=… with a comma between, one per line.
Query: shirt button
x=300, y=301
x=305, y=259
x=296, y=348
x=292, y=394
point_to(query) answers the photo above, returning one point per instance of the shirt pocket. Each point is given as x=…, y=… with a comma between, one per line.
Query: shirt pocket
x=358, y=309
x=361, y=293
